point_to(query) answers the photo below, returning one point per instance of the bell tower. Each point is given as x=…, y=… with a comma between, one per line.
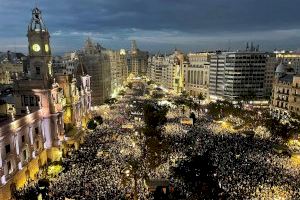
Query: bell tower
x=39, y=48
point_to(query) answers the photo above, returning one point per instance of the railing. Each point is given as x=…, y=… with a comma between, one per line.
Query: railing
x=13, y=126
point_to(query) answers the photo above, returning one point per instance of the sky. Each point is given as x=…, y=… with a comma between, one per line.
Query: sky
x=156, y=25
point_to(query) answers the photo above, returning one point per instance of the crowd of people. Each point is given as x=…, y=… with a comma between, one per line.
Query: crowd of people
x=246, y=167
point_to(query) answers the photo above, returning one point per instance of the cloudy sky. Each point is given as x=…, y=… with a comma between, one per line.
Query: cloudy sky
x=156, y=25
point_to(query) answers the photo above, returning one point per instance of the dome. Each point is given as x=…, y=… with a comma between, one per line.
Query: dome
x=281, y=68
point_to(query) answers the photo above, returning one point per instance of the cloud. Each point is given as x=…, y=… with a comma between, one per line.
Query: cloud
x=57, y=33
x=159, y=24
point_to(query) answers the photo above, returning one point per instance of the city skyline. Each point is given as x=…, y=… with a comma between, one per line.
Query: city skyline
x=156, y=25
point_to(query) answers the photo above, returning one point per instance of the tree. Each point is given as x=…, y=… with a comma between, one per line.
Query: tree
x=122, y=92
x=278, y=129
x=200, y=97
x=110, y=101
x=155, y=115
x=150, y=82
x=98, y=119
x=129, y=85
x=92, y=124
x=197, y=173
x=184, y=94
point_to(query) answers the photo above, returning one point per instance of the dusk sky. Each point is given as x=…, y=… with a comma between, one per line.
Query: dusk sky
x=156, y=25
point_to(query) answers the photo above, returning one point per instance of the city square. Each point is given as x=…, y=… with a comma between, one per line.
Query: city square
x=119, y=101
x=113, y=162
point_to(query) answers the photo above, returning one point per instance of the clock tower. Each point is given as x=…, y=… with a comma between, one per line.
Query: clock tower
x=39, y=48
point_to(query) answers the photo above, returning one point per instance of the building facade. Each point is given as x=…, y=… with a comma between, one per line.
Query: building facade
x=291, y=59
x=197, y=74
x=109, y=69
x=286, y=92
x=271, y=64
x=137, y=60
x=97, y=61
x=238, y=76
x=156, y=65
x=44, y=102
x=118, y=70
x=169, y=71
x=11, y=68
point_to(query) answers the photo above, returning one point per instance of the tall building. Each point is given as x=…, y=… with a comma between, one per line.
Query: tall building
x=156, y=64
x=45, y=105
x=176, y=69
x=109, y=69
x=197, y=74
x=137, y=60
x=169, y=70
x=98, y=63
x=237, y=76
x=71, y=62
x=271, y=64
x=217, y=75
x=118, y=70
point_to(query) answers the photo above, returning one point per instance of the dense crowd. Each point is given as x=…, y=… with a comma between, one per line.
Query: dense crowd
x=246, y=167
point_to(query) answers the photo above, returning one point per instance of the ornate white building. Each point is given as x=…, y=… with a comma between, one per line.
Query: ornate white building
x=45, y=105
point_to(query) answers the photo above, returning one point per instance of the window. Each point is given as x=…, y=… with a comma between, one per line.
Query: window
x=7, y=148
x=36, y=130
x=37, y=144
x=37, y=100
x=38, y=70
x=26, y=103
x=22, y=100
x=9, y=169
x=25, y=154
x=23, y=138
x=31, y=100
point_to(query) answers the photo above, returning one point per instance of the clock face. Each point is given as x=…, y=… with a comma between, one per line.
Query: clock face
x=36, y=47
x=46, y=47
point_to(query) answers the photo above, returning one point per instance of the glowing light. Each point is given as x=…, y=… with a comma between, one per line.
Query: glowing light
x=54, y=170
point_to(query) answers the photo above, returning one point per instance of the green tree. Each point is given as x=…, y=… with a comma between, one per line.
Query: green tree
x=122, y=92
x=184, y=94
x=155, y=115
x=200, y=97
x=98, y=119
x=129, y=85
x=110, y=101
x=91, y=125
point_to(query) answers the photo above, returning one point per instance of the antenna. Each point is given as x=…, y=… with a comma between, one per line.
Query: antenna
x=36, y=3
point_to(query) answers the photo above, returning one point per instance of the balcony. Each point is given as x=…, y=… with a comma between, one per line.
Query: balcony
x=283, y=93
x=282, y=99
x=10, y=126
x=297, y=95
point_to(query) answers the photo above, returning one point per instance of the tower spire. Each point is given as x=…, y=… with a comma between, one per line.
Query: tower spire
x=37, y=22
